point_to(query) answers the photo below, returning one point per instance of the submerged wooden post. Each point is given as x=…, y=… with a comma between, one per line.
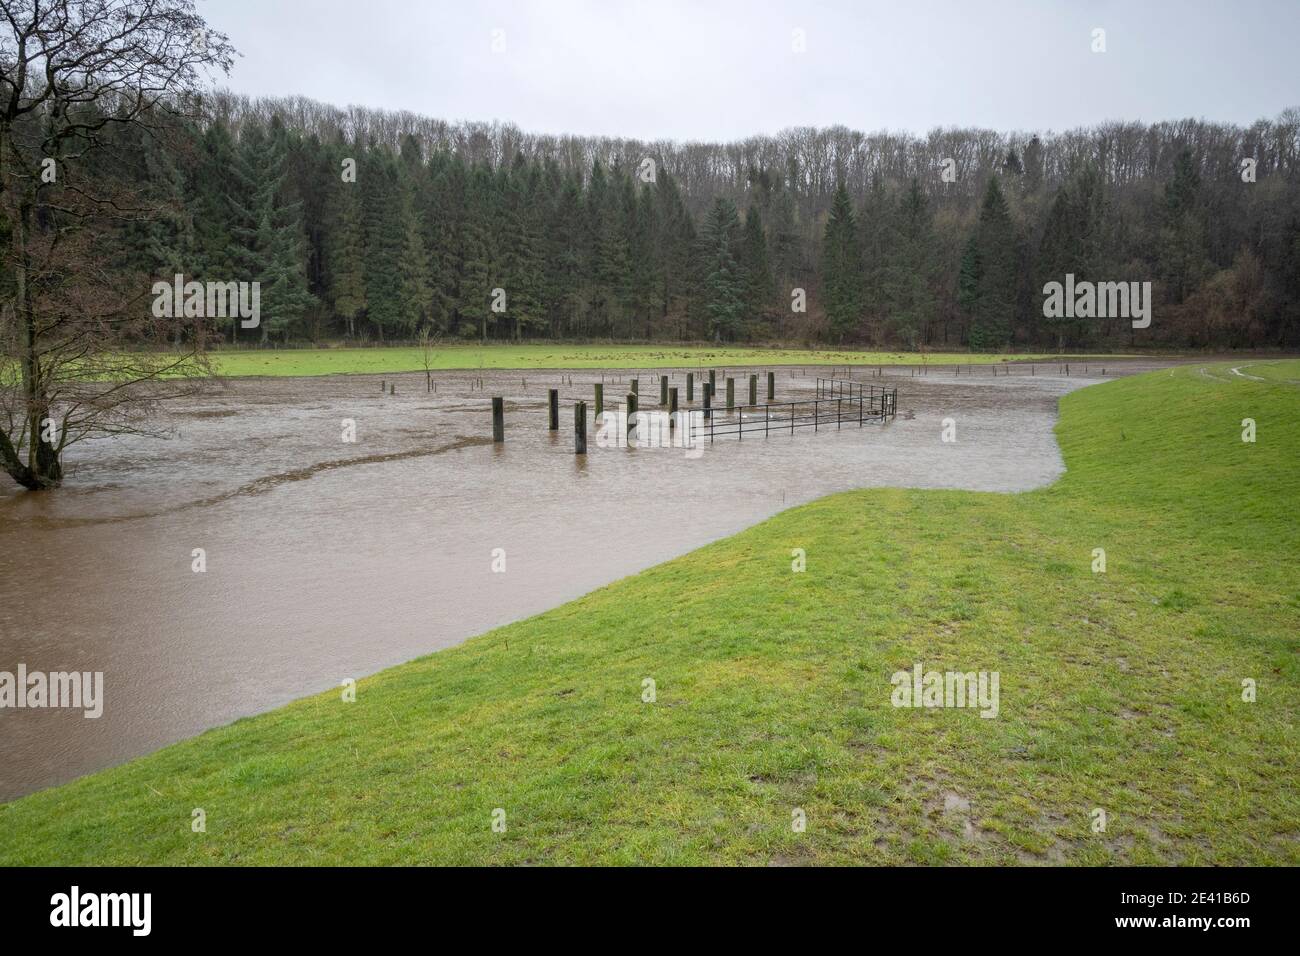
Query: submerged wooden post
x=672, y=406
x=663, y=389
x=771, y=386
x=636, y=386
x=554, y=401
x=580, y=428
x=731, y=394
x=753, y=389
x=631, y=416
x=713, y=381
x=708, y=402
x=690, y=386
x=498, y=419
x=600, y=400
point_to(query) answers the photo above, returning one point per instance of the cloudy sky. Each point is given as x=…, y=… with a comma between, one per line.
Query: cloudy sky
x=703, y=70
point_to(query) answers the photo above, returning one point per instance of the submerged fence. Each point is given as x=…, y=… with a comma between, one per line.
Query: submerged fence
x=883, y=400
x=837, y=403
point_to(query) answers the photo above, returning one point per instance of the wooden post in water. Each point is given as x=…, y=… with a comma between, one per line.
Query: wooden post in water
x=580, y=428
x=636, y=386
x=392, y=388
x=731, y=394
x=690, y=386
x=600, y=400
x=554, y=401
x=672, y=406
x=753, y=389
x=708, y=401
x=771, y=386
x=663, y=389
x=631, y=416
x=713, y=381
x=498, y=420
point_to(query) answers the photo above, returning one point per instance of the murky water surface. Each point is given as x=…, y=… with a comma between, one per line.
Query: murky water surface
x=328, y=560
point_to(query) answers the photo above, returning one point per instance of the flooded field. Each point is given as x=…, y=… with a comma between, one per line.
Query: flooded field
x=327, y=560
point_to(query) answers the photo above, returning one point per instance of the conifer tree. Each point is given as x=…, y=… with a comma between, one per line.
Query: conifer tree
x=911, y=267
x=841, y=268
x=724, y=278
x=345, y=254
x=272, y=247
x=384, y=239
x=474, y=294
x=523, y=254
x=1071, y=244
x=992, y=298
x=758, y=272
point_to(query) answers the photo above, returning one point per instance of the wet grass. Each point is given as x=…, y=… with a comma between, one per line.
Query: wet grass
x=1281, y=371
x=1119, y=691
x=377, y=360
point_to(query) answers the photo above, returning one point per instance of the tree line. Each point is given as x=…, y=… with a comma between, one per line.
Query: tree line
x=368, y=225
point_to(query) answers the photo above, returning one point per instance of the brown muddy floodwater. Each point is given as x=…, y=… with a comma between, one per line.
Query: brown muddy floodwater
x=328, y=560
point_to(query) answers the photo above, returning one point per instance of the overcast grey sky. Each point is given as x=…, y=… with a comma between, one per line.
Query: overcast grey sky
x=724, y=70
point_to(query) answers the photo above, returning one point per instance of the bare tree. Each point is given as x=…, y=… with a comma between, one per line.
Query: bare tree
x=79, y=347
x=429, y=342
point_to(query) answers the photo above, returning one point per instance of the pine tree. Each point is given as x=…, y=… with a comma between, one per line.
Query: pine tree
x=877, y=228
x=217, y=180
x=384, y=241
x=675, y=242
x=841, y=268
x=758, y=272
x=992, y=300
x=609, y=266
x=476, y=257
x=787, y=267
x=523, y=254
x=566, y=256
x=912, y=263
x=272, y=248
x=725, y=280
x=345, y=253
x=1071, y=243
x=645, y=281
x=415, y=293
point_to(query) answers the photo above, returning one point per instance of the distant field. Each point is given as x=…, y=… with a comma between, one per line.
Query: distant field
x=374, y=360
x=1121, y=692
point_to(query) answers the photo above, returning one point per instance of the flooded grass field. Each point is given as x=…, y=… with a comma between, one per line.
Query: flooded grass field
x=328, y=560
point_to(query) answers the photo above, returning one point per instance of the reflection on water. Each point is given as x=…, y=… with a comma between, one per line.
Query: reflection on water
x=328, y=560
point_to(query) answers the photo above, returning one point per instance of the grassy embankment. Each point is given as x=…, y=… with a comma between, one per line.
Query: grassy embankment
x=1120, y=691
x=380, y=360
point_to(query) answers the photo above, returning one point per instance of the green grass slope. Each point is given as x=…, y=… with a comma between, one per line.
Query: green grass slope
x=473, y=357
x=1119, y=691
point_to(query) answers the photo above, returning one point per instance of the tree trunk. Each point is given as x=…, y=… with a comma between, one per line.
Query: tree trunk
x=43, y=468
